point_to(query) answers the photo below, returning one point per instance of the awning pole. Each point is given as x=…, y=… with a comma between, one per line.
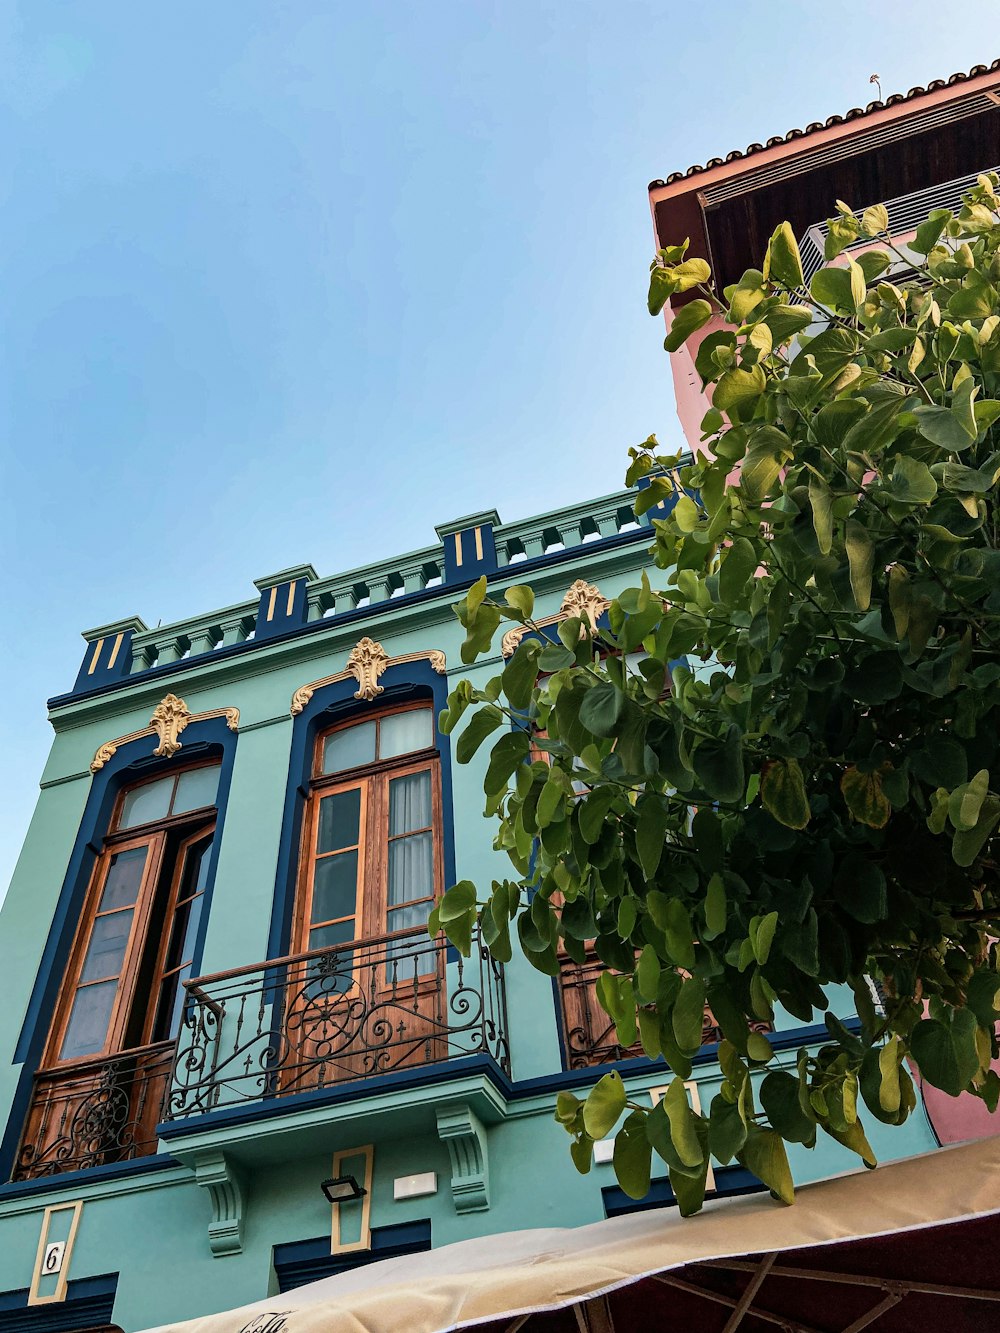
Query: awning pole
x=790, y=1325
x=856, y=1279
x=746, y=1300
x=876, y=1312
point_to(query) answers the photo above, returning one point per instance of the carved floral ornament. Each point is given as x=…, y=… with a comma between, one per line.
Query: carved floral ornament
x=170, y=717
x=366, y=661
x=582, y=599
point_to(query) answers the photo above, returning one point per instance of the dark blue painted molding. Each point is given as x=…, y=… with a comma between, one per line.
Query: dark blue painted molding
x=89, y=1304
x=575, y=554
x=76, y=1180
x=449, y=1071
x=336, y=1095
x=408, y=682
x=729, y=1181
x=206, y=738
x=304, y=1261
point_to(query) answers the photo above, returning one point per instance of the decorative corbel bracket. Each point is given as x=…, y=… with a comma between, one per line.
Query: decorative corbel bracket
x=460, y=1129
x=170, y=717
x=227, y=1187
x=366, y=662
x=583, y=598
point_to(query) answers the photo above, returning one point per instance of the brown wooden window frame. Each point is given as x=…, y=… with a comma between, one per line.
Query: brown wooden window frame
x=372, y=909
x=154, y=834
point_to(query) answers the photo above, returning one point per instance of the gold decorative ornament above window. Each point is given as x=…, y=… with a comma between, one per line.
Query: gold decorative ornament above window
x=170, y=717
x=582, y=599
x=366, y=661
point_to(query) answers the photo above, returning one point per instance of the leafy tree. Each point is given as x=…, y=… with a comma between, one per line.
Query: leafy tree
x=777, y=771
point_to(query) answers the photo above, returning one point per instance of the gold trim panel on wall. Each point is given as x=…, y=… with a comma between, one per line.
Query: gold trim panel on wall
x=53, y=1259
x=364, y=1241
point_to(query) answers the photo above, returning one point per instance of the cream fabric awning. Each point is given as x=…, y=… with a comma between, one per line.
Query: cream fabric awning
x=510, y=1275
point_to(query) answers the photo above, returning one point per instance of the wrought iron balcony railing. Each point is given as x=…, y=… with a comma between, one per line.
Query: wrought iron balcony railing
x=589, y=1034
x=95, y=1113
x=336, y=1015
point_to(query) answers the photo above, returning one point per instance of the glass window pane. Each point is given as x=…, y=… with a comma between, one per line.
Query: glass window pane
x=121, y=888
x=195, y=870
x=87, y=1030
x=170, y=1006
x=411, y=869
x=106, y=950
x=402, y=732
x=146, y=803
x=196, y=789
x=335, y=887
x=339, y=820
x=349, y=748
x=325, y=937
x=414, y=957
x=410, y=803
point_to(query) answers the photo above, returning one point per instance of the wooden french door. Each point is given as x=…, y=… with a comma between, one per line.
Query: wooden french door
x=371, y=872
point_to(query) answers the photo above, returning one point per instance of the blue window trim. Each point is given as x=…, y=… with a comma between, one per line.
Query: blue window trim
x=409, y=682
x=205, y=739
x=302, y=1261
x=89, y=1304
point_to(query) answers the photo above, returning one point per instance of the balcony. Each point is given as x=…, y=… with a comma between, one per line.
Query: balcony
x=95, y=1113
x=351, y=1013
x=589, y=1034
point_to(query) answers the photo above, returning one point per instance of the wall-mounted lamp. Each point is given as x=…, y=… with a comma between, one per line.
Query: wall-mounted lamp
x=342, y=1189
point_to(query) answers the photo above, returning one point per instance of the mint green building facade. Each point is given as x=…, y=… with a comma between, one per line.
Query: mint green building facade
x=180, y=1166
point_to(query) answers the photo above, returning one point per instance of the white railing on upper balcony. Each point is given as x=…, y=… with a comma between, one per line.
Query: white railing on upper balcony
x=905, y=214
x=377, y=584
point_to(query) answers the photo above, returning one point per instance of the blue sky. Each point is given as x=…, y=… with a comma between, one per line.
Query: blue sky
x=289, y=282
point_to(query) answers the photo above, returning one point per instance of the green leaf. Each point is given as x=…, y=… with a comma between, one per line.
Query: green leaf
x=821, y=503
x=763, y=937
x=480, y=725
x=832, y=287
x=739, y=562
x=875, y=219
x=726, y=1131
x=683, y=1124
x=719, y=768
x=509, y=751
x=943, y=427
x=715, y=905
x=737, y=388
x=582, y=1152
x=861, y=557
x=968, y=843
x=865, y=797
x=912, y=482
x=458, y=901
x=689, y=1015
x=687, y=320
x=779, y=1096
x=946, y=1052
x=764, y=1154
x=521, y=598
x=601, y=709
x=520, y=674
x=860, y=888
x=632, y=1156
x=966, y=801
x=929, y=233
x=783, y=793
x=647, y=974
x=691, y=273
x=604, y=1105
x=889, y=1057
x=593, y=812
x=686, y=514
x=672, y=917
x=652, y=821
x=782, y=262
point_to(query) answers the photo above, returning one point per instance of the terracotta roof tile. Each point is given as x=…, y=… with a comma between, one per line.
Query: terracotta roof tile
x=893, y=99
